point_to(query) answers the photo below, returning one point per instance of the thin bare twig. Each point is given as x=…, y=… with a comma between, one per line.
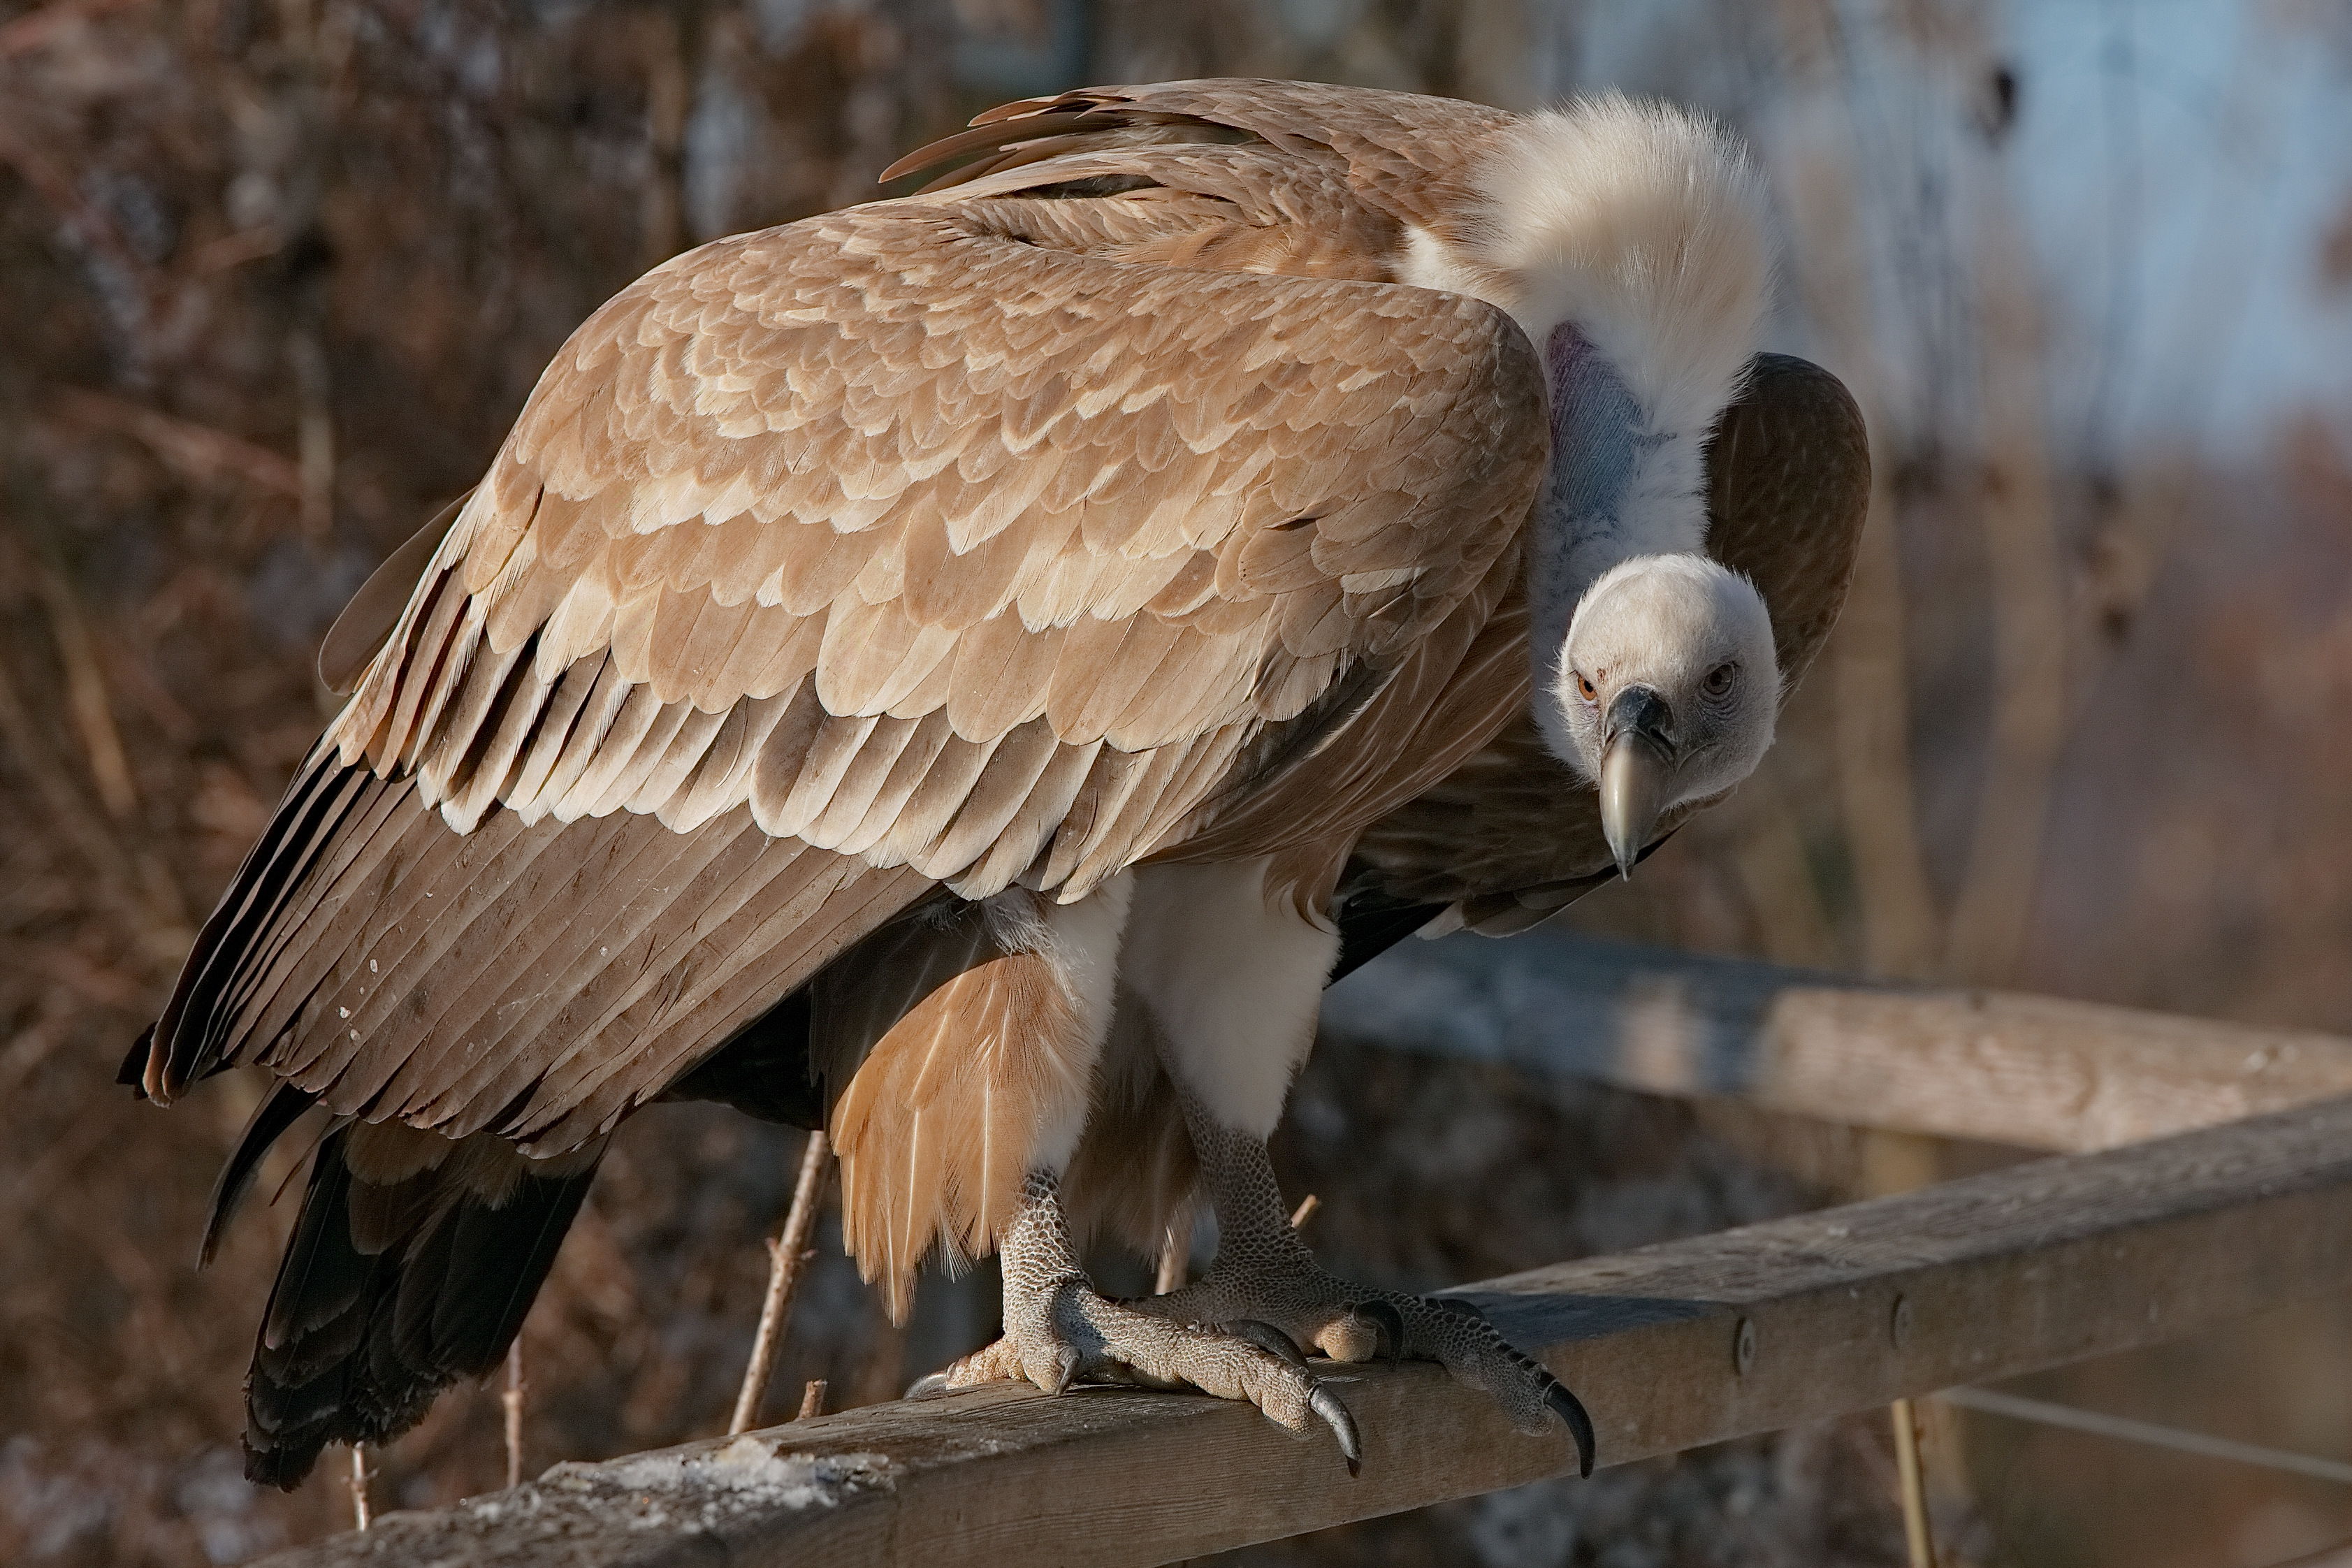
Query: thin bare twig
x=2336, y=1555
x=812, y=1400
x=314, y=432
x=2098, y=1423
x=359, y=1485
x=511, y=1399
x=787, y=1251
x=1304, y=1211
x=1911, y=1479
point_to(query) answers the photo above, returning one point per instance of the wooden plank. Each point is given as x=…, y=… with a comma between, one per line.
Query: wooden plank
x=2031, y=1072
x=2029, y=1267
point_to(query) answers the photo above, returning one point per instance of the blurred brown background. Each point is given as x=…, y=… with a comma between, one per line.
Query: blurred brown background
x=275, y=275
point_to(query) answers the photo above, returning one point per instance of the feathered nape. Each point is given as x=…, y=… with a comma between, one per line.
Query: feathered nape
x=1644, y=225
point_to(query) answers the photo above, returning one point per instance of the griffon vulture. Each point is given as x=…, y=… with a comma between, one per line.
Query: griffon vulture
x=959, y=669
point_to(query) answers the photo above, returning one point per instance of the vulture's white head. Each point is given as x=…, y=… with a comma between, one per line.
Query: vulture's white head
x=1629, y=240
x=1666, y=692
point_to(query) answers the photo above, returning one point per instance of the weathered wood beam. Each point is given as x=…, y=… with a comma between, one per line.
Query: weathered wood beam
x=2030, y=1071
x=2036, y=1265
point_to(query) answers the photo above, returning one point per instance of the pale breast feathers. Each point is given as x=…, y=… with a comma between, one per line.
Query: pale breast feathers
x=945, y=548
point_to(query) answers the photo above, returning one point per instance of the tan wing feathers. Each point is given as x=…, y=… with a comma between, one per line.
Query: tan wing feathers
x=1442, y=704
x=566, y=740
x=471, y=967
x=652, y=902
x=367, y=621
x=865, y=536
x=321, y=1019
x=952, y=823
x=1029, y=822
x=1168, y=478
x=738, y=972
x=326, y=820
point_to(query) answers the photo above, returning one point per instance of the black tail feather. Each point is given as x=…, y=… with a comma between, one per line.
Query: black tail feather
x=278, y=1110
x=357, y=1344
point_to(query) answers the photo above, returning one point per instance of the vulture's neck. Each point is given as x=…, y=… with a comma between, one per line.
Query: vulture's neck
x=1621, y=483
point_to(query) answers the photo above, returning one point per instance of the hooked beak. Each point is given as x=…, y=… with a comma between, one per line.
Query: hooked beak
x=1634, y=768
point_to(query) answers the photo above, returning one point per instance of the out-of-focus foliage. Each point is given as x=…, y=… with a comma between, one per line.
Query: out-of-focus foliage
x=274, y=279
x=275, y=275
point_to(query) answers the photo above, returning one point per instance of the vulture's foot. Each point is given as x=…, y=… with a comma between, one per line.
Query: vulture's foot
x=1353, y=1323
x=1059, y=1330
x=1264, y=1274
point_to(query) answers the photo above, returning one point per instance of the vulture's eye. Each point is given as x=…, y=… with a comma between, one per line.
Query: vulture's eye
x=1718, y=680
x=1585, y=687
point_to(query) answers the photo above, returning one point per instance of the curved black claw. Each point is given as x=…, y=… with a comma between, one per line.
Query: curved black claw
x=1267, y=1338
x=1391, y=1322
x=1326, y=1404
x=928, y=1386
x=1571, y=1409
x=1462, y=1308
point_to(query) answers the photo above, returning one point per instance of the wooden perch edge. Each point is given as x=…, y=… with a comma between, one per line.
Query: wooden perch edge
x=2030, y=1266
x=2035, y=1072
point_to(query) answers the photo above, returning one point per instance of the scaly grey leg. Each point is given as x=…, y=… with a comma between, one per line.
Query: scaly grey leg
x=1059, y=1329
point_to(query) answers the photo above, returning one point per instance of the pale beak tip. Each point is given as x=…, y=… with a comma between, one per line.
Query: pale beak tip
x=1633, y=780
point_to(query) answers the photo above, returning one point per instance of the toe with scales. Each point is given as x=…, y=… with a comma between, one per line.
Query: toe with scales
x=1264, y=1274
x=1307, y=1306
x=1059, y=1330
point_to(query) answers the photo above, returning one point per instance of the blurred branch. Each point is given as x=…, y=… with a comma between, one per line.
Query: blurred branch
x=86, y=696
x=135, y=879
x=2028, y=605
x=197, y=452
x=1868, y=660
x=1777, y=878
x=314, y=432
x=63, y=795
x=89, y=223
x=35, y=29
x=511, y=1403
x=669, y=91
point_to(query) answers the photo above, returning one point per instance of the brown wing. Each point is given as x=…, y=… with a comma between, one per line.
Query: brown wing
x=1409, y=155
x=1513, y=835
x=825, y=564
